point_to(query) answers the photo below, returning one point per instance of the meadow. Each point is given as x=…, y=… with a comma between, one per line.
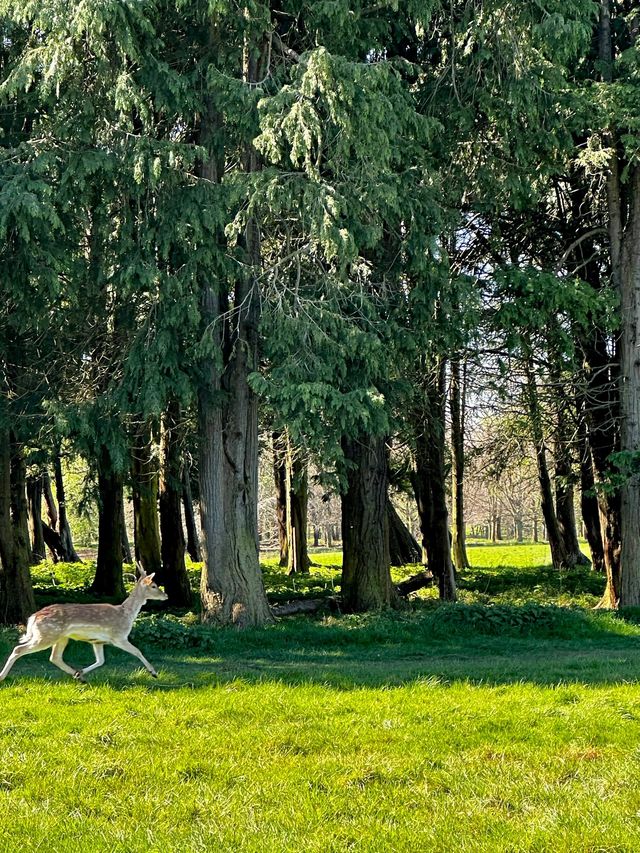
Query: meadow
x=507, y=722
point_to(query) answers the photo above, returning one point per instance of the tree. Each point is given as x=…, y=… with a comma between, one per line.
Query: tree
x=619, y=87
x=174, y=573
x=292, y=496
x=193, y=539
x=366, y=581
x=457, y=410
x=146, y=525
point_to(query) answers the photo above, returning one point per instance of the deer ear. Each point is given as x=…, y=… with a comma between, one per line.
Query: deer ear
x=148, y=578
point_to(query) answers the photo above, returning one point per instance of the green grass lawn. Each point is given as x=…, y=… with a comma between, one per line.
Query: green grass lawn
x=512, y=726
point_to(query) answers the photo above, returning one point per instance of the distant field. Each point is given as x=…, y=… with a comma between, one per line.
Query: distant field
x=505, y=726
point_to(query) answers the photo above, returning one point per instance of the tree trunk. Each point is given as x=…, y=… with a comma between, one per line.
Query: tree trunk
x=602, y=435
x=559, y=556
x=232, y=587
x=565, y=508
x=174, y=572
x=53, y=542
x=298, y=497
x=588, y=499
x=366, y=576
x=328, y=536
x=629, y=281
x=603, y=418
x=19, y=506
x=193, y=540
x=127, y=555
x=16, y=593
x=146, y=524
x=108, y=579
x=66, y=539
x=429, y=484
x=591, y=514
x=565, y=476
x=50, y=503
x=457, y=409
x=34, y=502
x=280, y=482
x=403, y=548
x=519, y=533
x=316, y=536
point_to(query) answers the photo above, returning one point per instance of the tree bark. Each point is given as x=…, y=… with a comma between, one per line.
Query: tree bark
x=298, y=489
x=174, y=572
x=403, y=548
x=588, y=499
x=559, y=556
x=127, y=555
x=590, y=510
x=457, y=410
x=108, y=579
x=19, y=506
x=66, y=538
x=193, y=540
x=600, y=404
x=415, y=582
x=280, y=482
x=615, y=528
x=16, y=592
x=53, y=542
x=603, y=418
x=429, y=480
x=564, y=487
x=232, y=587
x=34, y=501
x=146, y=523
x=292, y=498
x=47, y=494
x=366, y=576
x=629, y=283
x=518, y=528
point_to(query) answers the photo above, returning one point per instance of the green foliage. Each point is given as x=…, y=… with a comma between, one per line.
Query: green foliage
x=532, y=304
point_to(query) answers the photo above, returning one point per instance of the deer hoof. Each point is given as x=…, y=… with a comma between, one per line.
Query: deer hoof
x=79, y=676
x=154, y=674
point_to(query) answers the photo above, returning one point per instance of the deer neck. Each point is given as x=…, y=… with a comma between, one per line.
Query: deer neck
x=134, y=603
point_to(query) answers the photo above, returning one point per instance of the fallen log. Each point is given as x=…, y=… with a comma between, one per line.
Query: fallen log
x=332, y=603
x=305, y=605
x=415, y=582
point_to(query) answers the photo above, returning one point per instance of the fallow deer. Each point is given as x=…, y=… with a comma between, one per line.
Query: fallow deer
x=53, y=627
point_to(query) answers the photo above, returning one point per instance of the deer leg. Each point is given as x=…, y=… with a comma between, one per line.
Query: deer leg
x=98, y=648
x=56, y=657
x=19, y=651
x=126, y=646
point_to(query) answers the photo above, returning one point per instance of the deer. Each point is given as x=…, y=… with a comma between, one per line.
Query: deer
x=98, y=624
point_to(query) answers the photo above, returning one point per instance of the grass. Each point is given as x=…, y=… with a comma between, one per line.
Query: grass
x=505, y=727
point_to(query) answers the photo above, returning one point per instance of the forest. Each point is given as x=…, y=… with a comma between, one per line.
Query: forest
x=326, y=314
x=361, y=238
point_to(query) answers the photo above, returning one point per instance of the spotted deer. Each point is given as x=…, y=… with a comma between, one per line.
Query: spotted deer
x=53, y=627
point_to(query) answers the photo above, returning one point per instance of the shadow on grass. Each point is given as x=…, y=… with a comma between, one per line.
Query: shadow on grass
x=444, y=644
x=541, y=580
